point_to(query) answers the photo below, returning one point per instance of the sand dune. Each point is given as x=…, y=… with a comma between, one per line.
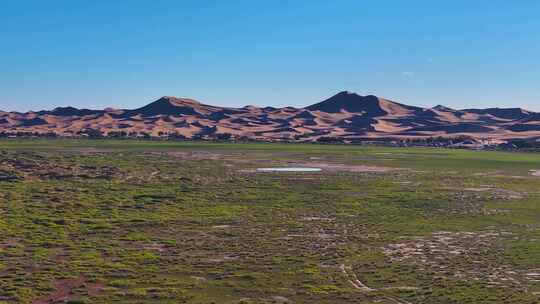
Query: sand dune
x=345, y=116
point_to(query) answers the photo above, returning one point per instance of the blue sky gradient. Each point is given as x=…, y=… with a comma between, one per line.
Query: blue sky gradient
x=125, y=54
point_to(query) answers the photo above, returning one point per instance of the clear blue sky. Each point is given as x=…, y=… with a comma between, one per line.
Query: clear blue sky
x=127, y=53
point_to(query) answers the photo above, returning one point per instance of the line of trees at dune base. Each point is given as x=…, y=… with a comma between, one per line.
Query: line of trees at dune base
x=460, y=141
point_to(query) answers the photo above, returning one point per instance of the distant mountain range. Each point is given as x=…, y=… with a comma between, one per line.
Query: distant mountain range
x=346, y=117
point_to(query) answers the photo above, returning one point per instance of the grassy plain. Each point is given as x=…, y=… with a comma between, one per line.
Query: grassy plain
x=109, y=221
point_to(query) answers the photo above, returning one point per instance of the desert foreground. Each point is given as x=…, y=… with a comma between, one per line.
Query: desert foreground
x=121, y=221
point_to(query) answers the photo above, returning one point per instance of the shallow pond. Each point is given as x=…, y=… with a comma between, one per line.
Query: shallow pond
x=289, y=169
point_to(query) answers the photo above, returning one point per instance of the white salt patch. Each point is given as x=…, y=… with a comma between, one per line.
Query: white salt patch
x=289, y=169
x=535, y=172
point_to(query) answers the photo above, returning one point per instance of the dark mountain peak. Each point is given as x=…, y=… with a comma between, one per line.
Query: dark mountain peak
x=68, y=108
x=350, y=102
x=167, y=105
x=345, y=93
x=175, y=101
x=442, y=108
x=72, y=111
x=352, y=94
x=69, y=111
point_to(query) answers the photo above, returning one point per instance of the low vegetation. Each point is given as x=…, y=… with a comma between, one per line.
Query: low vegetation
x=123, y=221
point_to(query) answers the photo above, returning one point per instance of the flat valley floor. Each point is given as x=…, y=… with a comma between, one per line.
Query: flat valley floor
x=107, y=221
